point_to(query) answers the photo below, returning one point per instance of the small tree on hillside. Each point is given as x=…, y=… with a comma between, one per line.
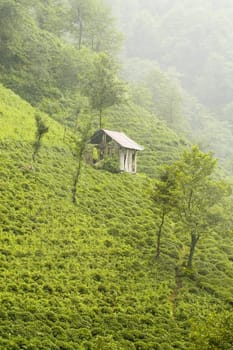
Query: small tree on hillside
x=164, y=197
x=93, y=24
x=102, y=86
x=198, y=195
x=41, y=130
x=80, y=148
x=188, y=190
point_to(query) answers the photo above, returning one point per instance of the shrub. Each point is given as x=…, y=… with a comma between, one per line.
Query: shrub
x=110, y=164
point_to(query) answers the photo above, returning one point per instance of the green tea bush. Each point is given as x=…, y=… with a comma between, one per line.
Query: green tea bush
x=84, y=277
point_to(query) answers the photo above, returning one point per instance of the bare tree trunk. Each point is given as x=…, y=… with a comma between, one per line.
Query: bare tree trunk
x=42, y=129
x=36, y=146
x=193, y=243
x=100, y=117
x=159, y=234
x=79, y=157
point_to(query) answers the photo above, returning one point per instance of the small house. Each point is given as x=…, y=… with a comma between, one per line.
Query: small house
x=116, y=144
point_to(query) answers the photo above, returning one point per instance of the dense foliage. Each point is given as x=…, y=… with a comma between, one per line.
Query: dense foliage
x=78, y=244
x=39, y=57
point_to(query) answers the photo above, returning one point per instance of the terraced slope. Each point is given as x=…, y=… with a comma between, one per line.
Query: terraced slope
x=84, y=277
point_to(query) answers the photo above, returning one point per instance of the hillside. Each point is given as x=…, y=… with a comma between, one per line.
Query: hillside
x=162, y=145
x=85, y=277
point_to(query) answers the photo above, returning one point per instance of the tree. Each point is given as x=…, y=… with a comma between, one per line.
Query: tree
x=199, y=196
x=41, y=130
x=164, y=197
x=11, y=19
x=101, y=34
x=187, y=189
x=102, y=86
x=51, y=16
x=80, y=147
x=80, y=11
x=33, y=62
x=94, y=26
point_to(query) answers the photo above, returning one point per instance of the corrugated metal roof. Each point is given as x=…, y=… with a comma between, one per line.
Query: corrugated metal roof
x=123, y=140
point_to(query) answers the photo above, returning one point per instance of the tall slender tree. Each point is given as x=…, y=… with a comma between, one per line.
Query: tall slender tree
x=164, y=197
x=80, y=147
x=93, y=26
x=41, y=130
x=102, y=86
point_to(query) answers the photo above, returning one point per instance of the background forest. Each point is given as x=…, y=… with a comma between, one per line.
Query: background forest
x=94, y=259
x=182, y=52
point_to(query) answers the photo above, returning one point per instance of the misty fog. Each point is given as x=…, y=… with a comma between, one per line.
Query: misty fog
x=190, y=43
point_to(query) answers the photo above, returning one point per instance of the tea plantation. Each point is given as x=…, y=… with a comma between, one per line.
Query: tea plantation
x=76, y=277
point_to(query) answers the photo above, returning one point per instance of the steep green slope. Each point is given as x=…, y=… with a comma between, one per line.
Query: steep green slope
x=84, y=277
x=17, y=120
